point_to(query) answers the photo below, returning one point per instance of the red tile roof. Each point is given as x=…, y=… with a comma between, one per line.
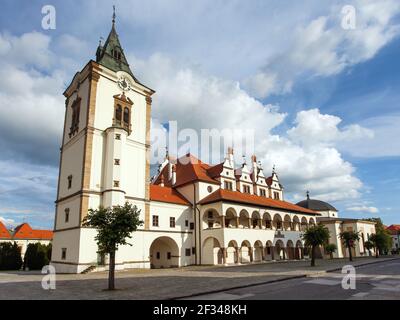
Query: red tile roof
x=166, y=194
x=394, y=228
x=188, y=169
x=234, y=196
x=24, y=231
x=4, y=233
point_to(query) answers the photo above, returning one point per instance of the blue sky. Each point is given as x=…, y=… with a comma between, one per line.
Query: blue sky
x=324, y=101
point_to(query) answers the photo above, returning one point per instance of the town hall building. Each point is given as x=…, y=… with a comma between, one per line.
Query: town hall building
x=193, y=212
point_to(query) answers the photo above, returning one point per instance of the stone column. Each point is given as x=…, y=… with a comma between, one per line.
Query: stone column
x=260, y=223
x=239, y=255
x=251, y=254
x=250, y=223
x=222, y=221
x=224, y=252
x=237, y=222
x=272, y=253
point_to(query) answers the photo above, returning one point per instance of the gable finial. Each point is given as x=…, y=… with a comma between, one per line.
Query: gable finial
x=308, y=195
x=166, y=153
x=113, y=17
x=273, y=169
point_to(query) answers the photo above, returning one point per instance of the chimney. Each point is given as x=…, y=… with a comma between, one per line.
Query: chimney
x=162, y=181
x=173, y=174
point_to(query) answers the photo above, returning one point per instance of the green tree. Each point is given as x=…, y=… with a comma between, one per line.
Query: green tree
x=381, y=240
x=330, y=248
x=10, y=256
x=349, y=238
x=314, y=237
x=37, y=256
x=114, y=226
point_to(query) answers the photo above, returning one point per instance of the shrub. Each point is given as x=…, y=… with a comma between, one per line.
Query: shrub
x=37, y=255
x=10, y=256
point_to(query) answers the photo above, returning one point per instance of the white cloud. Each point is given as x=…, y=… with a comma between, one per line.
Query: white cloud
x=9, y=223
x=382, y=144
x=322, y=48
x=306, y=158
x=363, y=209
x=313, y=128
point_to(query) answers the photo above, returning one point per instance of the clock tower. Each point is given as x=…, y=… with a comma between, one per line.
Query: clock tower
x=104, y=158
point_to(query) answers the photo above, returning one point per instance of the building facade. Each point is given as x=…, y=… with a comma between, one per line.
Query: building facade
x=193, y=212
x=329, y=217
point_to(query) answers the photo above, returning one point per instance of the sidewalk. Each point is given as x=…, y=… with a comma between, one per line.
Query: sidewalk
x=166, y=283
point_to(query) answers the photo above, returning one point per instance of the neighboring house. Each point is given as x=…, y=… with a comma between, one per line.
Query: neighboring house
x=5, y=235
x=330, y=218
x=394, y=231
x=24, y=235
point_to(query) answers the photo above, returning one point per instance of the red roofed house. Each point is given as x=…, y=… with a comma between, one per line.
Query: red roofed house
x=24, y=235
x=193, y=212
x=394, y=230
x=5, y=235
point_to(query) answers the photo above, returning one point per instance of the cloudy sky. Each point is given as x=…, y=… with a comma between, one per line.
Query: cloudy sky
x=322, y=99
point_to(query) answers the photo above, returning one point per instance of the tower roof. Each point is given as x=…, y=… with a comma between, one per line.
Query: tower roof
x=111, y=54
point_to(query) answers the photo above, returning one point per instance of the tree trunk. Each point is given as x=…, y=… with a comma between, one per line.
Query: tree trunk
x=312, y=256
x=350, y=253
x=376, y=252
x=111, y=272
x=331, y=255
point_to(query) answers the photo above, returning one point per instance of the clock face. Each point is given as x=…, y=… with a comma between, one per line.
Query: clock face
x=124, y=83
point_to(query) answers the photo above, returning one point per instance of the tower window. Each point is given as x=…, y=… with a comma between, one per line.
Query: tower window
x=66, y=215
x=276, y=195
x=76, y=108
x=126, y=118
x=228, y=185
x=118, y=115
x=116, y=162
x=117, y=136
x=63, y=253
x=116, y=184
x=69, y=181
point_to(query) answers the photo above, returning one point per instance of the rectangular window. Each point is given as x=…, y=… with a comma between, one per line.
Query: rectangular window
x=63, y=253
x=116, y=162
x=66, y=215
x=228, y=185
x=262, y=192
x=186, y=223
x=191, y=225
x=155, y=221
x=187, y=252
x=116, y=184
x=169, y=255
x=117, y=136
x=158, y=255
x=246, y=189
x=193, y=250
x=172, y=222
x=276, y=195
x=69, y=181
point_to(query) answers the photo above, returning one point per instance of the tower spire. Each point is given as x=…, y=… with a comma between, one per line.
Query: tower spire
x=113, y=17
